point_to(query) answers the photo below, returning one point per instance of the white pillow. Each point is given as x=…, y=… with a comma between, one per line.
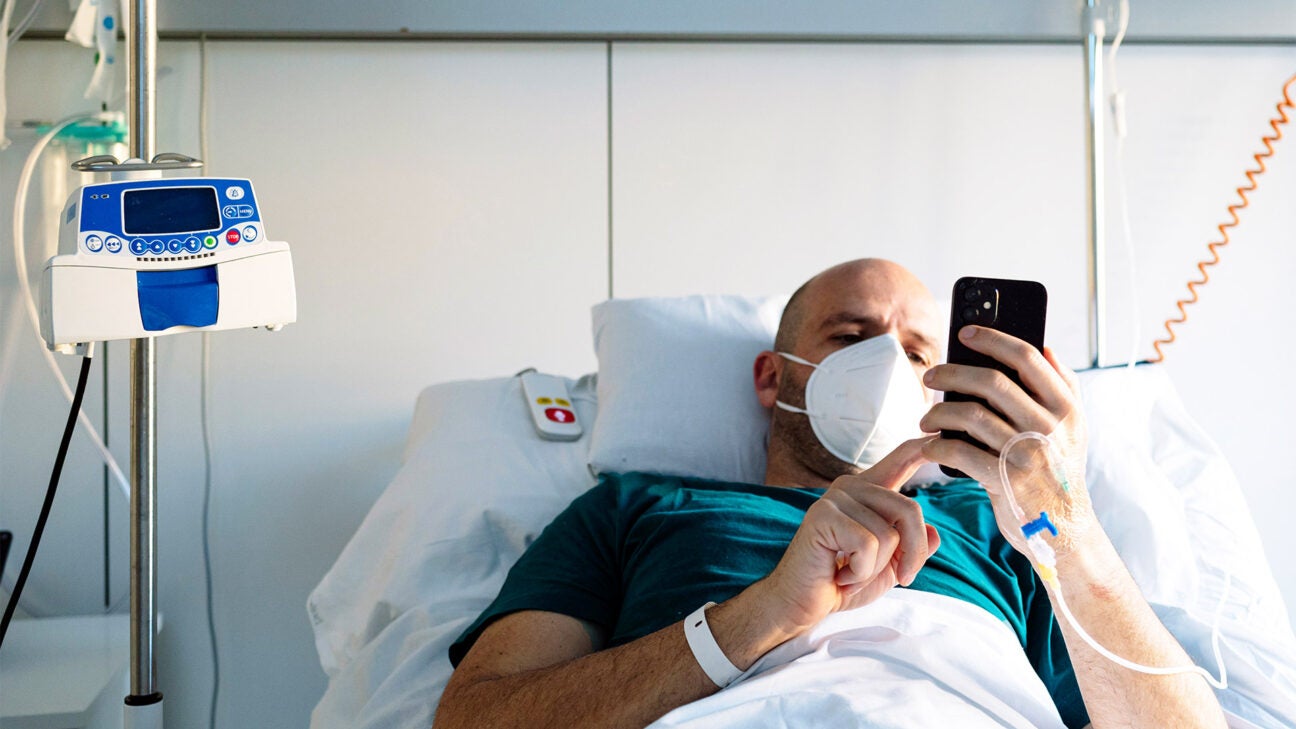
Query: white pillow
x=675, y=386
x=476, y=487
x=1163, y=491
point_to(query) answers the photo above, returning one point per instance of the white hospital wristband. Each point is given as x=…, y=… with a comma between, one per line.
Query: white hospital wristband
x=713, y=661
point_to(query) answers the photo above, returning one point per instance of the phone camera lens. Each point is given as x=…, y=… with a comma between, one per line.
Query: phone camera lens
x=970, y=313
x=972, y=294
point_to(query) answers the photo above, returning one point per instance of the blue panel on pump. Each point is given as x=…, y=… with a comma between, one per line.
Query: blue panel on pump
x=188, y=297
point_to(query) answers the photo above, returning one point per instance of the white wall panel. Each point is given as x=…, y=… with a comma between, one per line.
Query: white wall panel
x=747, y=168
x=446, y=207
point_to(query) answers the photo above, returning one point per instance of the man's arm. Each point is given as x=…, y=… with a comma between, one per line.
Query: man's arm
x=1107, y=602
x=538, y=669
x=1097, y=587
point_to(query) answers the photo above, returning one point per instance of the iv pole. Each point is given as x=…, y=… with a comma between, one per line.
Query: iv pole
x=143, y=707
x=1094, y=28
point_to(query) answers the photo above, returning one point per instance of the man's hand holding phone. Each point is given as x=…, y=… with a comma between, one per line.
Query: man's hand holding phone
x=1046, y=401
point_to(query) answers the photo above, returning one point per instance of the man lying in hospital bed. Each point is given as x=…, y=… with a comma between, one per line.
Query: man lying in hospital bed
x=911, y=657
x=590, y=628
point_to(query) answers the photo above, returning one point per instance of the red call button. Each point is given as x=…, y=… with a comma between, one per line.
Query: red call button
x=232, y=236
x=560, y=415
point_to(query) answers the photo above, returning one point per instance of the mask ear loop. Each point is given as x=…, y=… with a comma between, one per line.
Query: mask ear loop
x=1046, y=565
x=797, y=359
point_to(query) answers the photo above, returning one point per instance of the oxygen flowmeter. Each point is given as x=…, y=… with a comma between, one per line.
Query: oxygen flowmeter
x=148, y=257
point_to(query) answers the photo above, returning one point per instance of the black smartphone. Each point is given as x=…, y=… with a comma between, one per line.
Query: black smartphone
x=1013, y=307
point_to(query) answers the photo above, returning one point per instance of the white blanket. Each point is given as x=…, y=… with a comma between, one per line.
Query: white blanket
x=911, y=659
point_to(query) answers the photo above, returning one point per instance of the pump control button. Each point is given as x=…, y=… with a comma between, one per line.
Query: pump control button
x=209, y=242
x=192, y=244
x=232, y=236
x=157, y=246
x=113, y=244
x=138, y=246
x=175, y=245
x=94, y=243
x=250, y=233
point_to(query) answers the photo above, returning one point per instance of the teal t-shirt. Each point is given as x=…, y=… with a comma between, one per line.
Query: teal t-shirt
x=639, y=552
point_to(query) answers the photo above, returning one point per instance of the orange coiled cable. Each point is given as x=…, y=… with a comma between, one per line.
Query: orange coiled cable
x=1260, y=157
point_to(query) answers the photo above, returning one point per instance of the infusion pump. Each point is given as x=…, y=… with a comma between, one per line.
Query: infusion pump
x=142, y=258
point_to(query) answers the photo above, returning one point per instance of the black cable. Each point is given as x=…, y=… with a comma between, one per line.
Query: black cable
x=49, y=498
x=6, y=538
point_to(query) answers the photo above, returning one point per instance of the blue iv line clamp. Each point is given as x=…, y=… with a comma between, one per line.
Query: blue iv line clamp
x=1031, y=528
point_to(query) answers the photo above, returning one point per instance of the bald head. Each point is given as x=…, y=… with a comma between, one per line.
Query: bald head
x=865, y=281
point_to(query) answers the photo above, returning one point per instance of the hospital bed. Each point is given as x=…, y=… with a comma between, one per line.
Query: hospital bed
x=673, y=395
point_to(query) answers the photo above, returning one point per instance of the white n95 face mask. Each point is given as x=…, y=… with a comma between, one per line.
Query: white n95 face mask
x=863, y=400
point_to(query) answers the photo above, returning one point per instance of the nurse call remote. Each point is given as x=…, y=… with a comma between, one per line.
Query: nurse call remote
x=551, y=407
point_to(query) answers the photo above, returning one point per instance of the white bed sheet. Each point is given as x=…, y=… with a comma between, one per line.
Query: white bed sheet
x=909, y=660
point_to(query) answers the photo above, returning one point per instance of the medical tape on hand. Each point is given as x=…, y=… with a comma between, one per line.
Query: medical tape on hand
x=706, y=651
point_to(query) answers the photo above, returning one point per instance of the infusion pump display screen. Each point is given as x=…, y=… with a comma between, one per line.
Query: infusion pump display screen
x=170, y=210
x=162, y=220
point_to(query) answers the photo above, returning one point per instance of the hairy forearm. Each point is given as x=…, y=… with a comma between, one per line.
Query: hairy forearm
x=628, y=686
x=1107, y=602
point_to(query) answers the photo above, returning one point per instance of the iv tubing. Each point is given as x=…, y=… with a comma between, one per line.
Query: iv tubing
x=26, y=22
x=1117, y=108
x=1051, y=578
x=1221, y=683
x=19, y=225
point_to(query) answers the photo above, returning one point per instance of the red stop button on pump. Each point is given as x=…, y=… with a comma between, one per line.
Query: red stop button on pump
x=232, y=236
x=560, y=415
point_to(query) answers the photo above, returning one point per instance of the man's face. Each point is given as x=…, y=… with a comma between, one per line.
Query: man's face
x=842, y=306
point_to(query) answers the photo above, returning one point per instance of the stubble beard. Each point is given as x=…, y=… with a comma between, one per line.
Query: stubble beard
x=795, y=432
